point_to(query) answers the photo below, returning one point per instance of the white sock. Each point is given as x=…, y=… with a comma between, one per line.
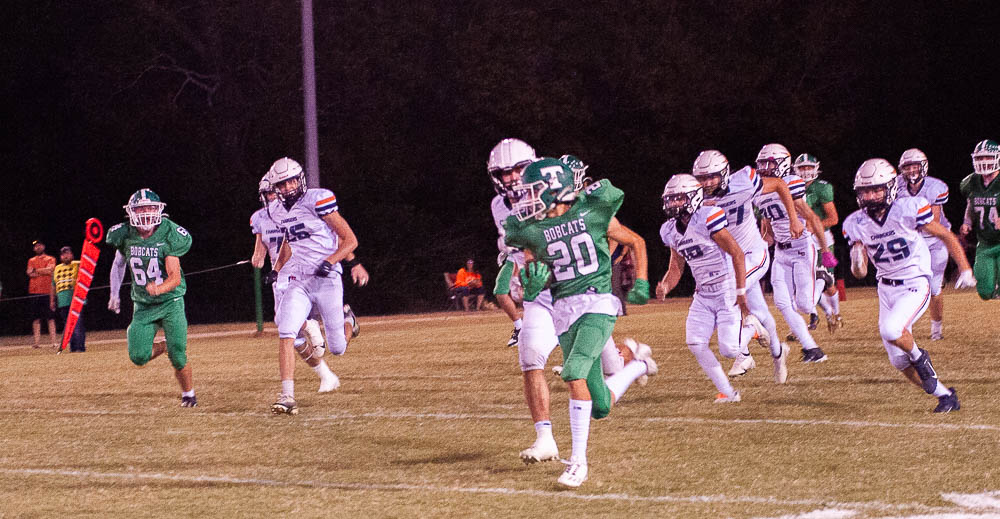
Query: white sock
x=710, y=365
x=543, y=429
x=914, y=353
x=579, y=427
x=288, y=387
x=834, y=301
x=517, y=324
x=824, y=304
x=940, y=390
x=936, y=326
x=299, y=341
x=187, y=393
x=818, y=290
x=746, y=334
x=322, y=369
x=620, y=381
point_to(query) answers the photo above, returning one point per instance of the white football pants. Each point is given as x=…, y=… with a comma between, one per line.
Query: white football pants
x=898, y=308
x=307, y=293
x=793, y=278
x=707, y=314
x=757, y=262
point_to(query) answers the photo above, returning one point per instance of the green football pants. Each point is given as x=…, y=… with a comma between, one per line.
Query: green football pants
x=146, y=319
x=581, y=346
x=987, y=269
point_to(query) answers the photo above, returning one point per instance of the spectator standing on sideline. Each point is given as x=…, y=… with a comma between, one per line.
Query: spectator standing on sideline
x=63, y=282
x=468, y=283
x=40, y=273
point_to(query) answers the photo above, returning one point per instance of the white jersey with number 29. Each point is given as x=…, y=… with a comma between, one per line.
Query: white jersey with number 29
x=894, y=246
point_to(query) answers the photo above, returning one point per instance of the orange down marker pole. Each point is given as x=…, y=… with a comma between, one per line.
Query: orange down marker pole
x=92, y=234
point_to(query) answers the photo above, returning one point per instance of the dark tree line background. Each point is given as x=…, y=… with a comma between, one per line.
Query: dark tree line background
x=195, y=99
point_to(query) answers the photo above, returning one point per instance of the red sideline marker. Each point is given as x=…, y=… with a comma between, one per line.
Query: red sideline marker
x=93, y=232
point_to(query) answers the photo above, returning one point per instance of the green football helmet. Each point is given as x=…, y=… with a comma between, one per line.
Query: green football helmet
x=578, y=167
x=986, y=157
x=144, y=209
x=543, y=184
x=806, y=166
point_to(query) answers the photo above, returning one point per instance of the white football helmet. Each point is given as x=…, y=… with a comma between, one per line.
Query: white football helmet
x=806, y=166
x=875, y=185
x=986, y=157
x=508, y=155
x=144, y=209
x=264, y=189
x=281, y=175
x=709, y=165
x=913, y=165
x=682, y=195
x=773, y=160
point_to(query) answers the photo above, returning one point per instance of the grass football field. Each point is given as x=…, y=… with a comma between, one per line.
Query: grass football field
x=431, y=416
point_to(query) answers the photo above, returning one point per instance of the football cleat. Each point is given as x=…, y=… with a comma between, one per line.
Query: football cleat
x=928, y=377
x=759, y=332
x=557, y=370
x=353, y=319
x=937, y=335
x=642, y=352
x=721, y=398
x=791, y=338
x=514, y=336
x=813, y=321
x=574, y=475
x=742, y=365
x=329, y=383
x=189, y=401
x=825, y=276
x=285, y=405
x=314, y=333
x=542, y=450
x=833, y=323
x=813, y=355
x=781, y=366
x=948, y=403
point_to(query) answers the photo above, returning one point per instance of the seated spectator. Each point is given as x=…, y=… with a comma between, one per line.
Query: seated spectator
x=468, y=283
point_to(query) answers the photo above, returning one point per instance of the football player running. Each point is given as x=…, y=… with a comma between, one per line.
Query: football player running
x=536, y=337
x=697, y=235
x=317, y=239
x=888, y=231
x=913, y=181
x=982, y=214
x=819, y=198
x=793, y=273
x=264, y=228
x=565, y=234
x=734, y=194
x=152, y=245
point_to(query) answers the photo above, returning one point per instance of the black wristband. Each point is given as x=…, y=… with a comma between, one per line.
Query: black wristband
x=349, y=264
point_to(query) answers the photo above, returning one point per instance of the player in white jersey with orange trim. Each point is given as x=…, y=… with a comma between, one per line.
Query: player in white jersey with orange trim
x=697, y=234
x=888, y=230
x=317, y=239
x=913, y=181
x=793, y=273
x=734, y=193
x=535, y=332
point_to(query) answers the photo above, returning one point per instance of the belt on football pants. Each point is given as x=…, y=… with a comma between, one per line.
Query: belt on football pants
x=783, y=246
x=892, y=282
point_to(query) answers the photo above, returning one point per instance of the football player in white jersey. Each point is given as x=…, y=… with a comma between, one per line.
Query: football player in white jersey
x=734, y=193
x=793, y=273
x=698, y=235
x=913, y=181
x=888, y=231
x=317, y=239
x=534, y=333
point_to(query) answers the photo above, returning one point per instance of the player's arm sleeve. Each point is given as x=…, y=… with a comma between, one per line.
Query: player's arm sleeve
x=966, y=186
x=511, y=235
x=503, y=279
x=825, y=193
x=327, y=203
x=716, y=221
x=924, y=215
x=179, y=241
x=117, y=273
x=606, y=195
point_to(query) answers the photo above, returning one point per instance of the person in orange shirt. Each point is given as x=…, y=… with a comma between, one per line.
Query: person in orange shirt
x=468, y=283
x=39, y=272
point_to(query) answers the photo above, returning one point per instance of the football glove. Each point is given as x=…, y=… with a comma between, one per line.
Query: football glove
x=324, y=269
x=829, y=261
x=639, y=295
x=271, y=277
x=115, y=304
x=534, y=277
x=966, y=280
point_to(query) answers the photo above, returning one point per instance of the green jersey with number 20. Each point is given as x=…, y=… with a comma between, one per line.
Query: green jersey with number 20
x=146, y=258
x=574, y=244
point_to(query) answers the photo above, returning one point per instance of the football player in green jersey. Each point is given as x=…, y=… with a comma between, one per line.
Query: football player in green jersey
x=981, y=215
x=819, y=198
x=151, y=245
x=565, y=234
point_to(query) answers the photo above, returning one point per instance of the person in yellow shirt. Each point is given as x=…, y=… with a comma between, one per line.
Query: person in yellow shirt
x=468, y=283
x=61, y=295
x=39, y=272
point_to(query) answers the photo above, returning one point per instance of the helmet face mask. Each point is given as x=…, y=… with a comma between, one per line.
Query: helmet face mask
x=806, y=166
x=144, y=210
x=986, y=157
x=508, y=156
x=264, y=192
x=711, y=168
x=875, y=186
x=913, y=166
x=579, y=170
x=541, y=188
x=773, y=160
x=288, y=180
x=682, y=196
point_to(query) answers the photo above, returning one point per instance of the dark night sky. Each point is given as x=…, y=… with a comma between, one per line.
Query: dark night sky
x=413, y=97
